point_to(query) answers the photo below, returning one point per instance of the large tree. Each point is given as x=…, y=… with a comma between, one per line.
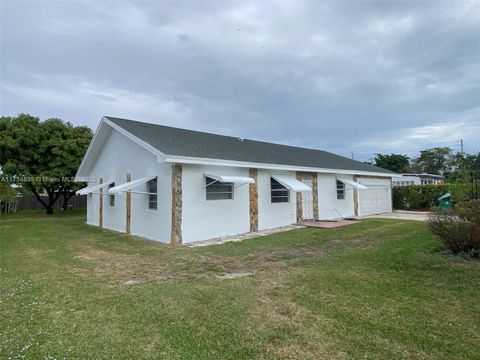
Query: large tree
x=437, y=160
x=393, y=162
x=466, y=168
x=42, y=156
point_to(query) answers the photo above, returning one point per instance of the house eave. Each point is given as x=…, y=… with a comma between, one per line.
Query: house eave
x=276, y=167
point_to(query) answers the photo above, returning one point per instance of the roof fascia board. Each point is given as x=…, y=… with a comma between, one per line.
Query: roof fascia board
x=78, y=175
x=233, y=163
x=160, y=156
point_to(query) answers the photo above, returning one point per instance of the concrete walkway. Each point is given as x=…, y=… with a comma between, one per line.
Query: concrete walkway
x=325, y=224
x=402, y=215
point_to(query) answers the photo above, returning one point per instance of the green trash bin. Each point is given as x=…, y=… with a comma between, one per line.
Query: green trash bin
x=445, y=201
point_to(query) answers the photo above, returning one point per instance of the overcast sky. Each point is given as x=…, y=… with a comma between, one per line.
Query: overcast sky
x=347, y=77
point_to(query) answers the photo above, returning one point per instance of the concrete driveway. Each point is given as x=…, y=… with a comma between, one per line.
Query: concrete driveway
x=403, y=215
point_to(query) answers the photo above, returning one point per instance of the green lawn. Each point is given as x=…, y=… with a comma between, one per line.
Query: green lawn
x=379, y=289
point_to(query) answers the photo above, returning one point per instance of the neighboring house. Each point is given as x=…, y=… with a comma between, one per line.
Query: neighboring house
x=178, y=186
x=417, y=179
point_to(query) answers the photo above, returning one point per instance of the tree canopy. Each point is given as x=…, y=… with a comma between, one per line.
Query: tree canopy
x=437, y=160
x=393, y=162
x=42, y=155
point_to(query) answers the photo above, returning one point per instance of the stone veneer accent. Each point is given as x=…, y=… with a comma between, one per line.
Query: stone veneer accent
x=253, y=199
x=128, y=206
x=299, y=177
x=355, y=197
x=315, y=195
x=100, y=205
x=176, y=232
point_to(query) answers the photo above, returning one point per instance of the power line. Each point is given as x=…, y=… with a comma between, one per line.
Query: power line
x=455, y=146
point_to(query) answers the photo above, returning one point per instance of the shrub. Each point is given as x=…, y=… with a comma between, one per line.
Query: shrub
x=459, y=229
x=426, y=196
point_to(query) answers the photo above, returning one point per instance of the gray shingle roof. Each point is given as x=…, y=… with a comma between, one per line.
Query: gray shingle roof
x=182, y=142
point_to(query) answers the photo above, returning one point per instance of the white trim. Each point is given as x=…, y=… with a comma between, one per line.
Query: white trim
x=291, y=183
x=91, y=189
x=134, y=138
x=84, y=159
x=352, y=183
x=129, y=185
x=244, y=164
x=231, y=179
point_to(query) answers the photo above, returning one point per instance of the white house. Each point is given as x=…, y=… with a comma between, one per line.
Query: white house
x=178, y=186
x=407, y=179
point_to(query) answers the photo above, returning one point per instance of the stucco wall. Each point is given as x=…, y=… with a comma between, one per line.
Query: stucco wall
x=92, y=206
x=204, y=219
x=328, y=204
x=271, y=215
x=119, y=157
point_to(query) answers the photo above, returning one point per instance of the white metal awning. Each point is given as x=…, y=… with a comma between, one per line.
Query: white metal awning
x=352, y=183
x=129, y=185
x=231, y=179
x=291, y=183
x=90, y=189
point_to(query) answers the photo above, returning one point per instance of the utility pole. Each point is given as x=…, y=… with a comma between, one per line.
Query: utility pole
x=461, y=145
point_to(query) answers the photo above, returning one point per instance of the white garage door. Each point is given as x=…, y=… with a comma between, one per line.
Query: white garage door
x=375, y=200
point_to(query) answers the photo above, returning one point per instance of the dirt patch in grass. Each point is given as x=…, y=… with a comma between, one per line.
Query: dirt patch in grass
x=118, y=268
x=235, y=275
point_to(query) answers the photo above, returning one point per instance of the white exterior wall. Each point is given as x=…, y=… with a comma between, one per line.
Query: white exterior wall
x=329, y=206
x=272, y=215
x=120, y=156
x=205, y=219
x=92, y=206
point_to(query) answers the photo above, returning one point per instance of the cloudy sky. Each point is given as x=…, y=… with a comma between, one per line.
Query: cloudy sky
x=360, y=77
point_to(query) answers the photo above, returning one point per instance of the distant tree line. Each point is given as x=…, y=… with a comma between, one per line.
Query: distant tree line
x=439, y=160
x=41, y=157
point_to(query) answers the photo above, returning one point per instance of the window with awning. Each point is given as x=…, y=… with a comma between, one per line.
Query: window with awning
x=291, y=183
x=231, y=179
x=91, y=189
x=218, y=190
x=278, y=192
x=221, y=187
x=128, y=186
x=351, y=184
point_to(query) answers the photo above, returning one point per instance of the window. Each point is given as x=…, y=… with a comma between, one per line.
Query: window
x=111, y=197
x=278, y=192
x=152, y=194
x=340, y=190
x=217, y=190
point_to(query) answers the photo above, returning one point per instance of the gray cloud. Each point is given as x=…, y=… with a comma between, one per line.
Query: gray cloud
x=347, y=77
